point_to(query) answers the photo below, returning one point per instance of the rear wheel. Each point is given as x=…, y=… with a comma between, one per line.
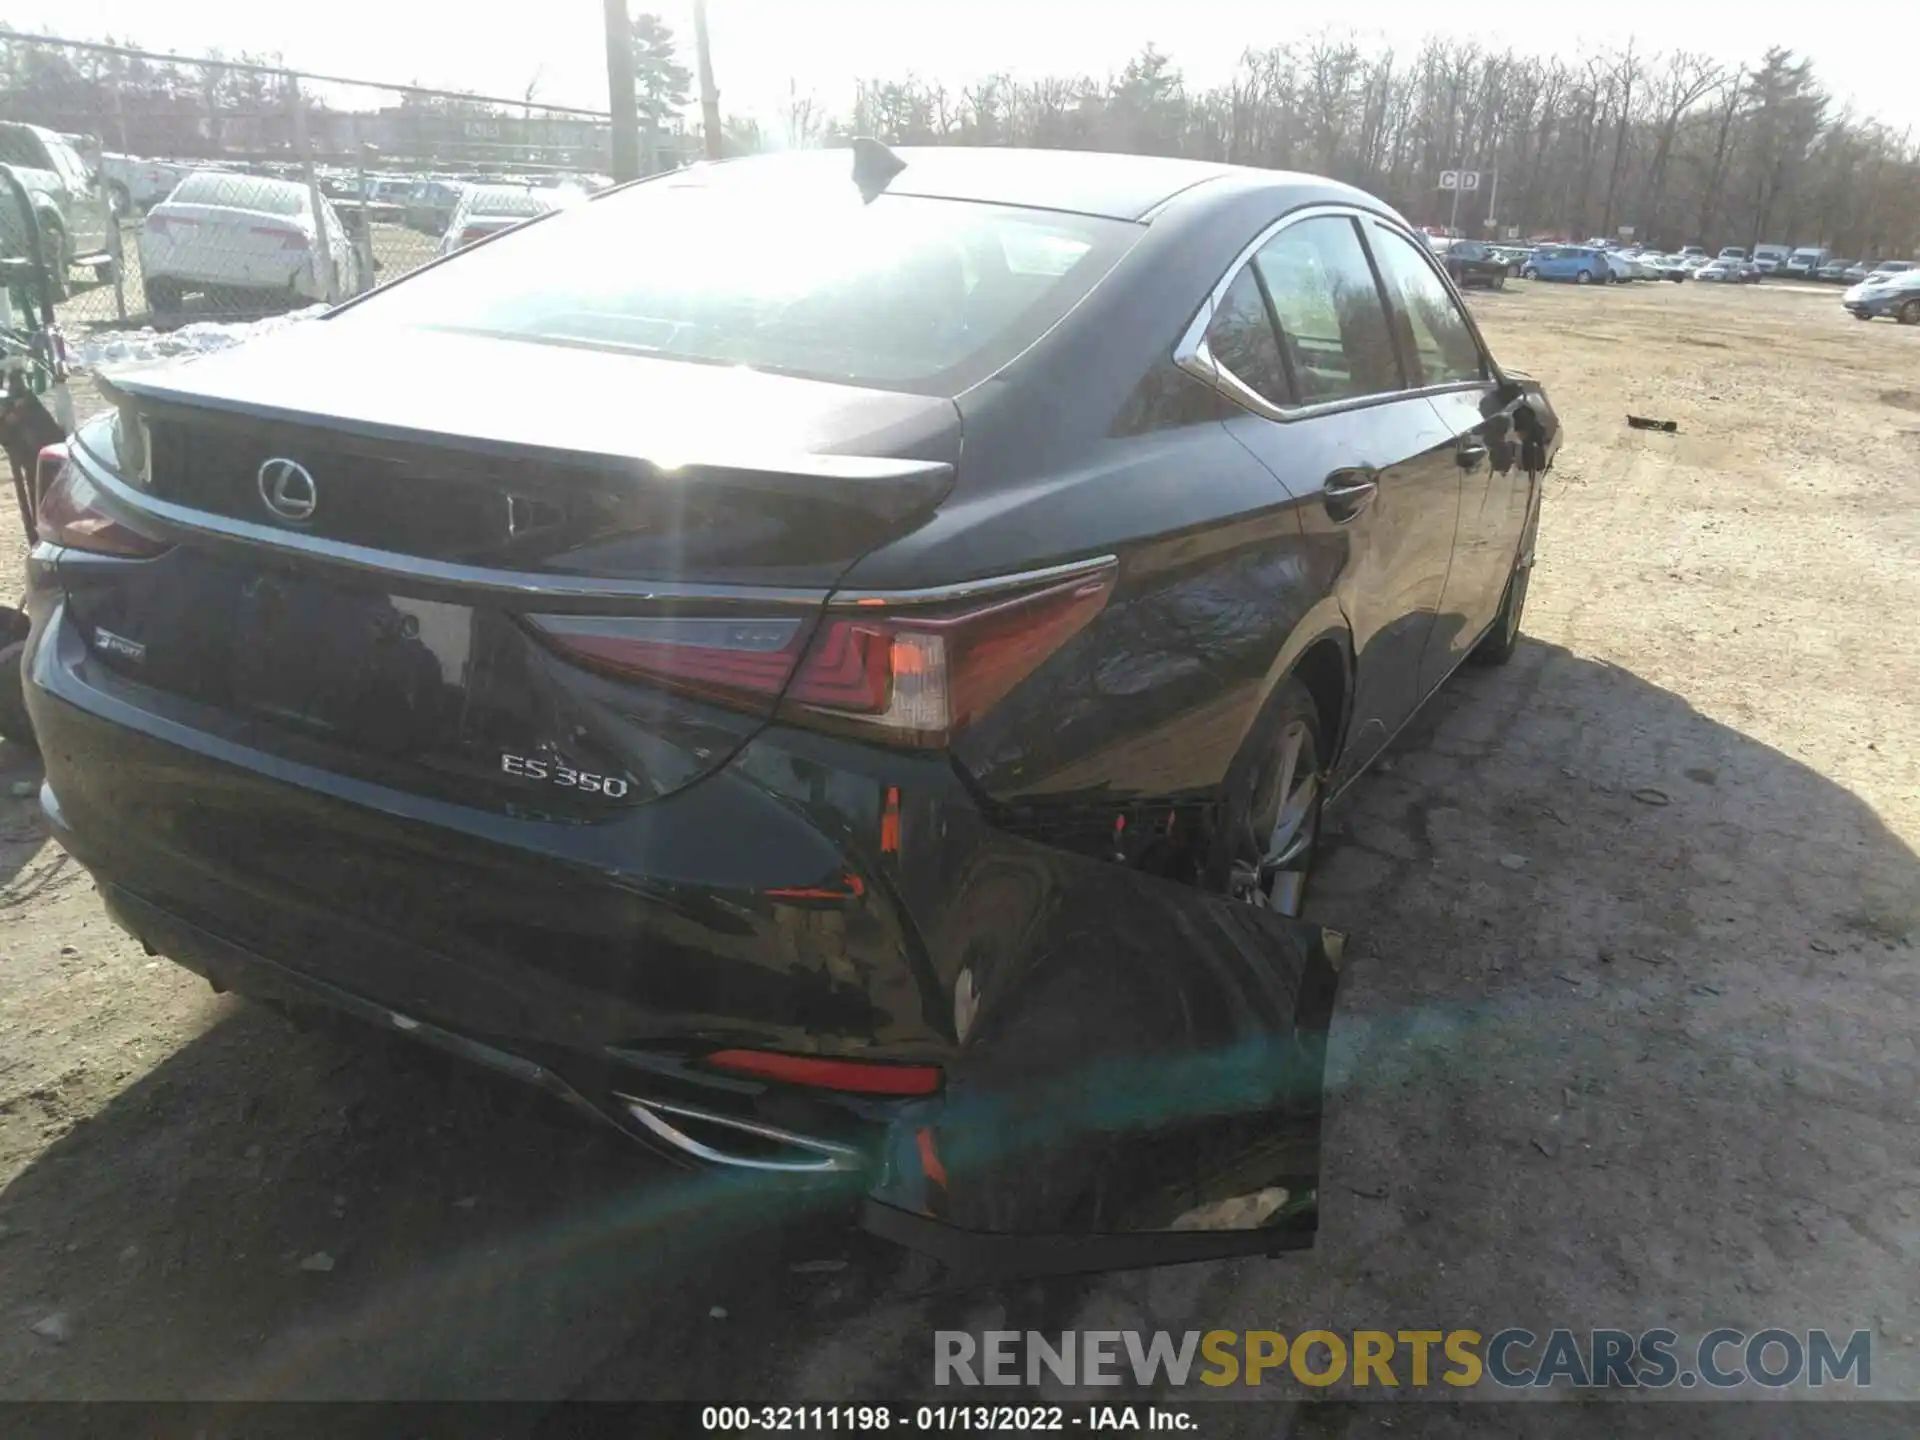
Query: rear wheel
x=163, y=296
x=1583, y=277
x=1273, y=816
x=1909, y=313
x=1529, y=273
x=1499, y=281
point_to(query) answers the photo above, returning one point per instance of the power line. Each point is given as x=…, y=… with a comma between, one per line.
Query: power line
x=99, y=47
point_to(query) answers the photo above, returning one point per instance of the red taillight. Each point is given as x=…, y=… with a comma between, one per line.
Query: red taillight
x=907, y=674
x=743, y=660
x=859, y=1077
x=918, y=676
x=67, y=514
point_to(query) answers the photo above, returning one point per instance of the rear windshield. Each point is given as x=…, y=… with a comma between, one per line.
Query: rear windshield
x=779, y=267
x=240, y=192
x=20, y=146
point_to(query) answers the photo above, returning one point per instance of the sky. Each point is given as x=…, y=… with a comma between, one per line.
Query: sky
x=764, y=48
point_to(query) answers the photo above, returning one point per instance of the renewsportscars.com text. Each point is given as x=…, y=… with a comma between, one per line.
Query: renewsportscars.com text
x=1511, y=1359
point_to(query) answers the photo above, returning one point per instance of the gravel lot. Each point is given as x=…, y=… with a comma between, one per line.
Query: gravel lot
x=1627, y=1037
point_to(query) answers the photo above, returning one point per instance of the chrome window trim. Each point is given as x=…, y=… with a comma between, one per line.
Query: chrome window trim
x=974, y=589
x=1193, y=355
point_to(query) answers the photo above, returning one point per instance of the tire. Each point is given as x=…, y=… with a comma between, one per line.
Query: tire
x=1908, y=313
x=1272, y=828
x=1860, y=315
x=163, y=296
x=14, y=722
x=1496, y=647
x=118, y=197
x=1583, y=277
x=1529, y=273
x=1499, y=282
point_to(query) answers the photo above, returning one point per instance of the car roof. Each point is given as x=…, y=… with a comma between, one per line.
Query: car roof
x=1119, y=187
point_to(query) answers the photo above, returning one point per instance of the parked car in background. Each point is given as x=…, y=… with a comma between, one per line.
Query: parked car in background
x=1688, y=251
x=135, y=184
x=1512, y=256
x=1623, y=267
x=1692, y=264
x=485, y=210
x=1665, y=267
x=69, y=203
x=1771, y=259
x=1881, y=269
x=1805, y=261
x=1834, y=270
x=248, y=240
x=728, y=748
x=1732, y=252
x=430, y=205
x=1470, y=262
x=1896, y=294
x=1582, y=264
x=1728, y=272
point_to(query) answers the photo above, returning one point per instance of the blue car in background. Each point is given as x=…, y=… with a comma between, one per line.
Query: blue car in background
x=1582, y=264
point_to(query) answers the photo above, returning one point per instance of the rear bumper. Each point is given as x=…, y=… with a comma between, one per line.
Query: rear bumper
x=1132, y=1069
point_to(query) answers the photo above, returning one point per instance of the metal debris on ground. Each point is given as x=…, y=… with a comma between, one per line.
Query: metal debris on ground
x=1652, y=795
x=1642, y=422
x=55, y=1327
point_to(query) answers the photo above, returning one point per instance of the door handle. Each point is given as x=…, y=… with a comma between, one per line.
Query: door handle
x=1470, y=454
x=1348, y=492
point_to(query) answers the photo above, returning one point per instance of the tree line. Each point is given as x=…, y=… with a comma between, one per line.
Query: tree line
x=1678, y=146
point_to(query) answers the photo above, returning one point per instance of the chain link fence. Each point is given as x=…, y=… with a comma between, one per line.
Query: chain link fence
x=171, y=190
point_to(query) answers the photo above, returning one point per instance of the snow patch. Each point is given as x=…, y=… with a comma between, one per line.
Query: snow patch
x=202, y=337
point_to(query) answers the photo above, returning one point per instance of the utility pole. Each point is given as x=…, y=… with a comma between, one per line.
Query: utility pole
x=709, y=97
x=1453, y=222
x=620, y=103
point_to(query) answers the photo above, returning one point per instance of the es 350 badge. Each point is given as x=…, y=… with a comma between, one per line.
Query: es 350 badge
x=564, y=776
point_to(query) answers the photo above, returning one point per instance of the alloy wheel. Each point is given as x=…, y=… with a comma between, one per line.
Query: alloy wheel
x=1275, y=849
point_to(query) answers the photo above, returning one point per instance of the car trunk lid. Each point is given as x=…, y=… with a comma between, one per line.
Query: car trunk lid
x=407, y=556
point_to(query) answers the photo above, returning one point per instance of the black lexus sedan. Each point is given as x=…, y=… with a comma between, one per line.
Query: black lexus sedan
x=1470, y=262
x=834, y=669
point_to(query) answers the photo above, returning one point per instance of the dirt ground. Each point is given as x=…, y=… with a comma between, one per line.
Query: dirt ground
x=1627, y=1037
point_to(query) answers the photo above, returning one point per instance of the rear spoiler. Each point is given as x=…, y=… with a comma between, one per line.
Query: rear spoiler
x=887, y=487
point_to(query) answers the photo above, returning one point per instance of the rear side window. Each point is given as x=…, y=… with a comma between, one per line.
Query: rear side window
x=1332, y=321
x=1437, y=334
x=241, y=192
x=1242, y=340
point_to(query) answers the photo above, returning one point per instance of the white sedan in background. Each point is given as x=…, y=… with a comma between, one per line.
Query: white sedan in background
x=486, y=209
x=247, y=242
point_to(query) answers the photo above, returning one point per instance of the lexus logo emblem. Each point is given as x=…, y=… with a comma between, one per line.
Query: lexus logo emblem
x=287, y=487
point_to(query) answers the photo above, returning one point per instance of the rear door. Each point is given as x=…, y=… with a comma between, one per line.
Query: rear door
x=1448, y=366
x=1333, y=419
